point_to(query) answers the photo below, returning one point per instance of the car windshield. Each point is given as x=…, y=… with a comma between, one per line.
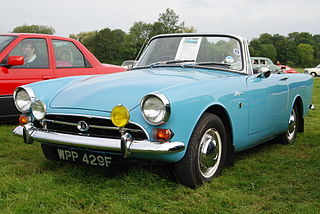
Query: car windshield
x=203, y=51
x=5, y=41
x=318, y=66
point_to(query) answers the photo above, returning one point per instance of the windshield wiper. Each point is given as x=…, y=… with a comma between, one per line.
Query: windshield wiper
x=178, y=61
x=170, y=62
x=213, y=63
x=193, y=64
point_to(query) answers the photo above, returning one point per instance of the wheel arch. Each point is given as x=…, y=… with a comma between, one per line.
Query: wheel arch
x=222, y=113
x=313, y=73
x=298, y=102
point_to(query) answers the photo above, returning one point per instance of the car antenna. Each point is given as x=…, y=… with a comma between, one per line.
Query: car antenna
x=142, y=48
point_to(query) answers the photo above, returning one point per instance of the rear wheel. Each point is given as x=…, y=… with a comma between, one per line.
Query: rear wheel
x=290, y=135
x=206, y=152
x=313, y=74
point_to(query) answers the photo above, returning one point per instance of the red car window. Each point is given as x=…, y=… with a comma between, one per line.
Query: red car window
x=35, y=53
x=67, y=55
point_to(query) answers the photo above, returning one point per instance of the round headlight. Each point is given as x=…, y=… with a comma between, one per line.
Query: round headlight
x=38, y=109
x=23, y=98
x=120, y=116
x=155, y=109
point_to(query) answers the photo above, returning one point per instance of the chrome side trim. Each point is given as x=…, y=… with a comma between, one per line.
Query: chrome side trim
x=6, y=96
x=30, y=133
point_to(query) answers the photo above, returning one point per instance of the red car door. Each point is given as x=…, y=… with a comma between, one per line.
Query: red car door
x=36, y=65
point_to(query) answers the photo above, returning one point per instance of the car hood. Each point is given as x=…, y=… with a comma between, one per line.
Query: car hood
x=103, y=92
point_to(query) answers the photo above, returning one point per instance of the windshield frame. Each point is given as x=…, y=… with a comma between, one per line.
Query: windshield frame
x=13, y=37
x=240, y=40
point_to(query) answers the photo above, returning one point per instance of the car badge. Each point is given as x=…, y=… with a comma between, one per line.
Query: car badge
x=83, y=126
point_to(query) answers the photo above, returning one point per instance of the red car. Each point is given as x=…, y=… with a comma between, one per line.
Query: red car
x=287, y=69
x=26, y=58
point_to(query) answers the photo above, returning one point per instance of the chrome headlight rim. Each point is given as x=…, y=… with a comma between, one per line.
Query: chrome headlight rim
x=31, y=95
x=43, y=106
x=164, y=101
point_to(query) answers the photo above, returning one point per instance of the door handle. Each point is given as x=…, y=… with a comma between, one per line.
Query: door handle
x=284, y=78
x=47, y=77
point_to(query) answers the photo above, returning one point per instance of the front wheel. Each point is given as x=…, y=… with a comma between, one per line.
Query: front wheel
x=206, y=152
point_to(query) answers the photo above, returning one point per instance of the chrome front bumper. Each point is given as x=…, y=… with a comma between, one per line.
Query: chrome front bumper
x=126, y=145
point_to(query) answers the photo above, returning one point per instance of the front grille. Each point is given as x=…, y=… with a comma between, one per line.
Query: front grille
x=97, y=127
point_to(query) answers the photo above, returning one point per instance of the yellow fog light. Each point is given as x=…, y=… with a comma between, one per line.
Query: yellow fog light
x=120, y=116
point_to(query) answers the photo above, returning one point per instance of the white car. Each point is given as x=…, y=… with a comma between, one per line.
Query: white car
x=313, y=71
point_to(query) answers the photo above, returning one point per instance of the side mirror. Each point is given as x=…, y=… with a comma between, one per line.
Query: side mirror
x=13, y=61
x=264, y=72
x=128, y=64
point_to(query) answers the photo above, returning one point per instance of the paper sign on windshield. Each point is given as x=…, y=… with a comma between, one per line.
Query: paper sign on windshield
x=188, y=48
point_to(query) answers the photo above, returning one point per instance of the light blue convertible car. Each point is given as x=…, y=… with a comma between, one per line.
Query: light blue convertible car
x=191, y=100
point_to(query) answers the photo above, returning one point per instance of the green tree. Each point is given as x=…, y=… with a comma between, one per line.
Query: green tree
x=306, y=38
x=190, y=29
x=114, y=46
x=254, y=47
x=87, y=39
x=305, y=54
x=301, y=37
x=106, y=44
x=170, y=21
x=138, y=35
x=317, y=50
x=109, y=45
x=280, y=43
x=269, y=51
x=288, y=49
x=140, y=32
x=34, y=29
x=266, y=38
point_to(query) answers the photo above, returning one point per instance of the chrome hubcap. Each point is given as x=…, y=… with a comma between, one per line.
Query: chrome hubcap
x=209, y=152
x=292, y=125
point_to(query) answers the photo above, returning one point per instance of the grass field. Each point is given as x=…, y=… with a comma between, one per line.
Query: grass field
x=270, y=178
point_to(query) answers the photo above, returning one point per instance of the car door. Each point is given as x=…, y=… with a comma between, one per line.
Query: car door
x=268, y=104
x=69, y=59
x=35, y=67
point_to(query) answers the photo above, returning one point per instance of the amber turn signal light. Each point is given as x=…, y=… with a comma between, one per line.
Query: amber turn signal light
x=23, y=119
x=162, y=134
